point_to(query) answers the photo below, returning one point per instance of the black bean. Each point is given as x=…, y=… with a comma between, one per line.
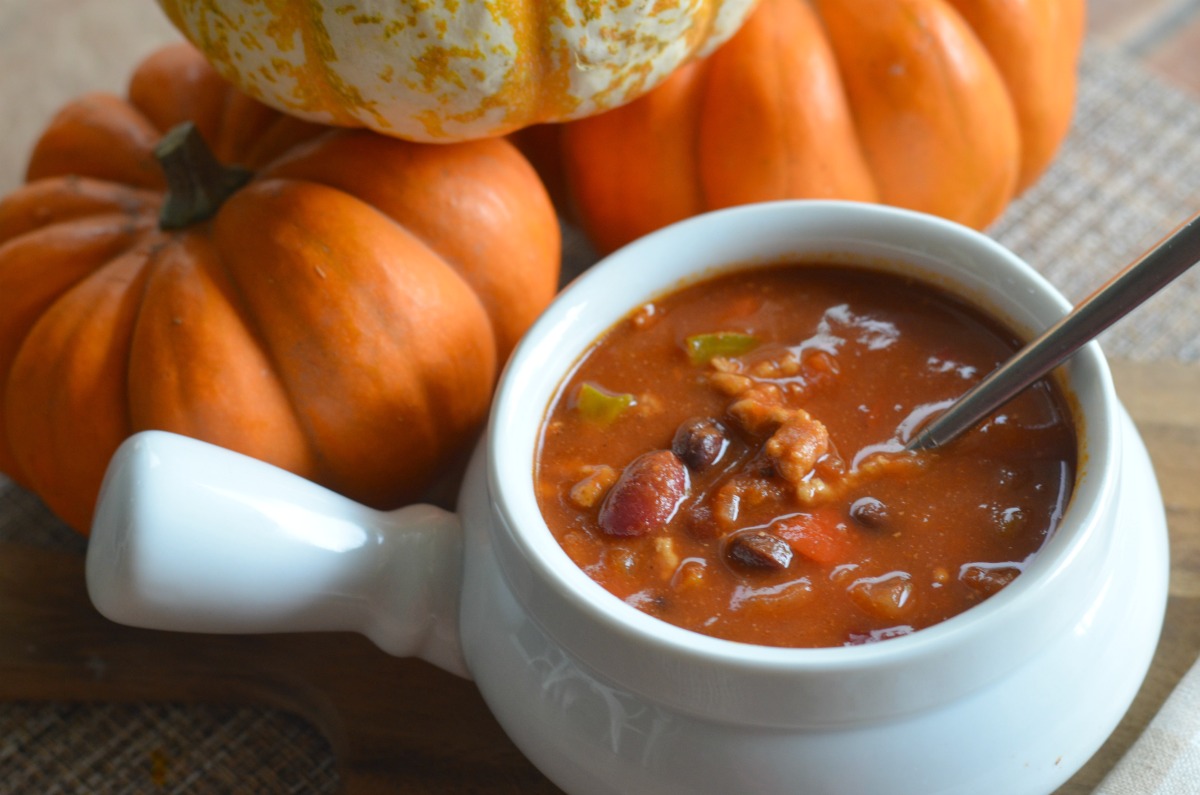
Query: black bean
x=760, y=550
x=700, y=443
x=869, y=512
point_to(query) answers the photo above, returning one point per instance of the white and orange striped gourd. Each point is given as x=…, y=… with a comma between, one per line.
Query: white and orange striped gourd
x=446, y=70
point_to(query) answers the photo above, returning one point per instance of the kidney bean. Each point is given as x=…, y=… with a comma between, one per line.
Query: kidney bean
x=759, y=549
x=700, y=442
x=646, y=496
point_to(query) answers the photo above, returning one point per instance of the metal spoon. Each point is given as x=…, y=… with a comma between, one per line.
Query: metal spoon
x=1139, y=280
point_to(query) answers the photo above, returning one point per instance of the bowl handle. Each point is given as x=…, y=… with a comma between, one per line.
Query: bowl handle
x=192, y=537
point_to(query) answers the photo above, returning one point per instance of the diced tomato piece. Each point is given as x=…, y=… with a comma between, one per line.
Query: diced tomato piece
x=821, y=535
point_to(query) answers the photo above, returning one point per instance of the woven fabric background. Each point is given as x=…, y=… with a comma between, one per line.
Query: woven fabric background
x=1128, y=174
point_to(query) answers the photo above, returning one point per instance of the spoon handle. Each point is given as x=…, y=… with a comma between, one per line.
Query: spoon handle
x=1129, y=288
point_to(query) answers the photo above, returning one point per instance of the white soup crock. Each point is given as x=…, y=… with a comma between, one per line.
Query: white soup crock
x=1012, y=696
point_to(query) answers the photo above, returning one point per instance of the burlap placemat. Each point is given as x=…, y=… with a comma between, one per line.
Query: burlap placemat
x=1129, y=173
x=145, y=748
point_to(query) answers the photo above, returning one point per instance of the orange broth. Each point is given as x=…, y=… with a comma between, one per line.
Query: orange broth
x=729, y=459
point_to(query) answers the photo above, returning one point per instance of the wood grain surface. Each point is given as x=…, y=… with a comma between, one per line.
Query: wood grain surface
x=403, y=726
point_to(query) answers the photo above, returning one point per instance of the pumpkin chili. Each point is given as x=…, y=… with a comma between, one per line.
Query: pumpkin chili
x=729, y=458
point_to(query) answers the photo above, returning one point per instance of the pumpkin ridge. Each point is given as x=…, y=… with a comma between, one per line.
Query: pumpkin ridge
x=200, y=367
x=68, y=387
x=281, y=199
x=847, y=67
x=866, y=187
x=941, y=66
x=373, y=169
x=242, y=308
x=101, y=136
x=778, y=87
x=83, y=247
x=981, y=213
x=323, y=467
x=760, y=75
x=903, y=130
x=1030, y=51
x=54, y=200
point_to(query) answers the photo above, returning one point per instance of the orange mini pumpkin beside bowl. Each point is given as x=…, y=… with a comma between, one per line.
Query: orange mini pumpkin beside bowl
x=342, y=314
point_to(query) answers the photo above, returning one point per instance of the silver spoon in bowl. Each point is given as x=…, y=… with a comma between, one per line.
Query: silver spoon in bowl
x=1139, y=280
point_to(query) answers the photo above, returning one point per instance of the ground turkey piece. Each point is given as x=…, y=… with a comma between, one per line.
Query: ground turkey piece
x=797, y=440
x=797, y=445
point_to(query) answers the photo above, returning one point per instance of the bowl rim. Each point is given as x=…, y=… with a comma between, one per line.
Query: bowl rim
x=529, y=558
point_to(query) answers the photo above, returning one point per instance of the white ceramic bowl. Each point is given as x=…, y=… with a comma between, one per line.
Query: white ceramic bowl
x=1012, y=696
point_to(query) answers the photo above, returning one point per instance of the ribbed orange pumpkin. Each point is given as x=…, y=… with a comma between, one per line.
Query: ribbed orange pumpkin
x=951, y=107
x=342, y=314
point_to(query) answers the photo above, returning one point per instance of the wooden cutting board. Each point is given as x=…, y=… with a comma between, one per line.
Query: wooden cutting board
x=403, y=726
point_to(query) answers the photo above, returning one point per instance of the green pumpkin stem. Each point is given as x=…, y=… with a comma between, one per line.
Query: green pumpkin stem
x=197, y=183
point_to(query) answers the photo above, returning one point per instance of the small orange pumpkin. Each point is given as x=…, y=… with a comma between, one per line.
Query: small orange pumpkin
x=950, y=107
x=340, y=309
